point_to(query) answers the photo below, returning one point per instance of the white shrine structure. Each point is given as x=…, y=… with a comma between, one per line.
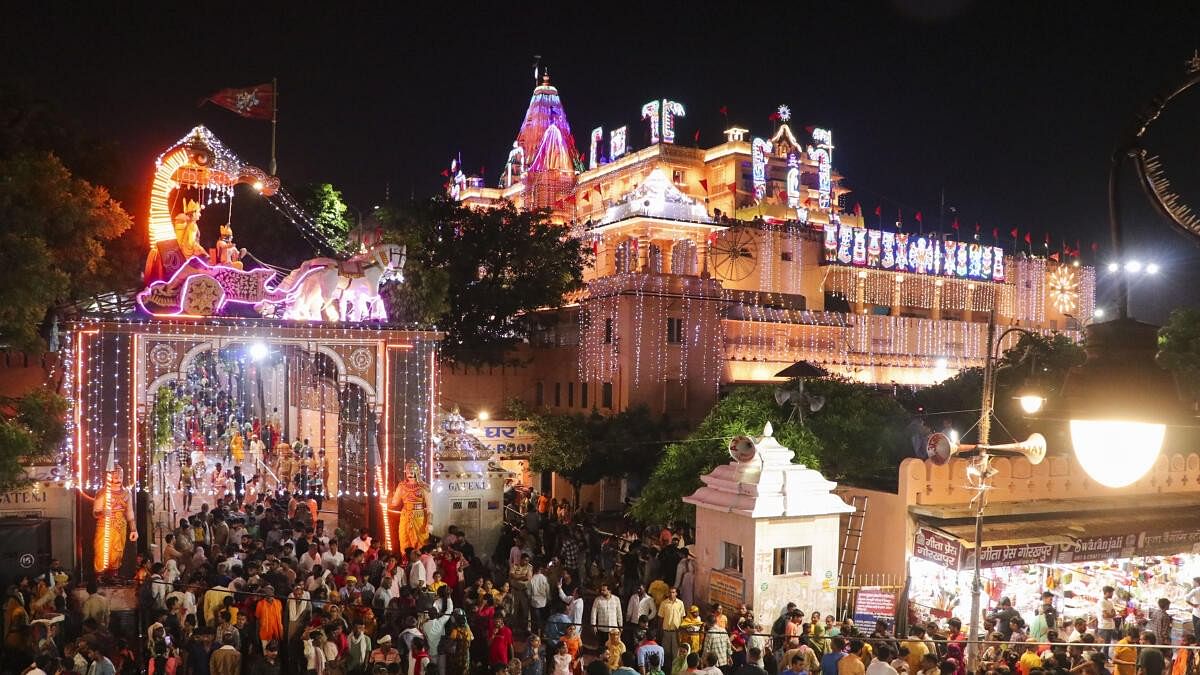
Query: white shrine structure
x=767, y=531
x=468, y=486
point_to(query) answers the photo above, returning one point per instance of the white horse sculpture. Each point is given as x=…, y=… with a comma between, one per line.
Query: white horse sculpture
x=324, y=289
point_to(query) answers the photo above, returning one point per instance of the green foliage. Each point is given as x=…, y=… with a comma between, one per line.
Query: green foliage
x=1035, y=361
x=480, y=274
x=859, y=434
x=54, y=233
x=30, y=434
x=585, y=449
x=1179, y=350
x=325, y=205
x=166, y=405
x=743, y=411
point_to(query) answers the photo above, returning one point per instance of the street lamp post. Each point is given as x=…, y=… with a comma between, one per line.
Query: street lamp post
x=980, y=472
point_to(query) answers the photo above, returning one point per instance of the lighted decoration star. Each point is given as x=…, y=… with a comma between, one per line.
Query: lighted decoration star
x=784, y=112
x=1064, y=289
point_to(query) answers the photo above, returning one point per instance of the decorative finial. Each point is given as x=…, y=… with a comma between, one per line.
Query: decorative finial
x=768, y=430
x=784, y=112
x=1193, y=64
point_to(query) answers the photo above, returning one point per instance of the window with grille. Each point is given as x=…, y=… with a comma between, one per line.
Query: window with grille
x=674, y=330
x=733, y=556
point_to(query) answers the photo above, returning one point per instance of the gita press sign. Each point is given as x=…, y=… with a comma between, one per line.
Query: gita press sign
x=902, y=252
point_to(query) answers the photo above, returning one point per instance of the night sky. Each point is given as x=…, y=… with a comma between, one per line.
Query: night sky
x=1011, y=108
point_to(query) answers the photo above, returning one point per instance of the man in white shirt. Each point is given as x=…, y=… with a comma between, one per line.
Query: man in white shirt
x=297, y=609
x=574, y=609
x=416, y=572
x=640, y=604
x=710, y=665
x=332, y=558
x=1193, y=599
x=880, y=665
x=310, y=559
x=539, y=595
x=1106, y=617
x=362, y=542
x=606, y=611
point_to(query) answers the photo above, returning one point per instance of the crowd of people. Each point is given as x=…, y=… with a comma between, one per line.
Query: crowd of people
x=267, y=588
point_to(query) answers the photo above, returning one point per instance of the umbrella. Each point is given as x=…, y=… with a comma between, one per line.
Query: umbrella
x=803, y=369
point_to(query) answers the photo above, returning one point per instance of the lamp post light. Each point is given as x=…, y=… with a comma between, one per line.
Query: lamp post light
x=980, y=471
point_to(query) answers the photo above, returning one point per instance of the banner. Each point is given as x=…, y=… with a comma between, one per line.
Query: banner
x=937, y=548
x=727, y=589
x=872, y=604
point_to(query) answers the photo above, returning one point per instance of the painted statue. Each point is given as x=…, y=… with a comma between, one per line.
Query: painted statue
x=187, y=230
x=226, y=252
x=113, y=510
x=409, y=510
x=324, y=289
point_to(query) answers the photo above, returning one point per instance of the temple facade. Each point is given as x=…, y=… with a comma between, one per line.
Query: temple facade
x=727, y=264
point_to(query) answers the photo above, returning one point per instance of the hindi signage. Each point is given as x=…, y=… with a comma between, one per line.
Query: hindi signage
x=505, y=437
x=937, y=548
x=872, y=604
x=855, y=246
x=727, y=589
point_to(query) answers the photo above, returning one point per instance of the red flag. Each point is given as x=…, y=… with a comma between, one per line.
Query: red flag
x=595, y=247
x=775, y=116
x=1095, y=247
x=809, y=129
x=696, y=136
x=446, y=173
x=256, y=102
x=587, y=197
x=704, y=184
x=1028, y=237
x=918, y=217
x=954, y=225
x=569, y=199
x=878, y=210
x=1054, y=256
x=724, y=110
x=995, y=234
x=976, y=228
x=732, y=187
x=858, y=209
x=1014, y=233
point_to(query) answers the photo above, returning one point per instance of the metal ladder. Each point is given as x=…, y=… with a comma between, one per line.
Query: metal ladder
x=848, y=557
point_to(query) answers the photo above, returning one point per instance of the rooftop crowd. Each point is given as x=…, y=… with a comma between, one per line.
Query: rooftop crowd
x=267, y=588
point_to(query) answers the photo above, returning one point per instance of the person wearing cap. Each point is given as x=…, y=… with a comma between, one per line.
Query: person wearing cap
x=384, y=653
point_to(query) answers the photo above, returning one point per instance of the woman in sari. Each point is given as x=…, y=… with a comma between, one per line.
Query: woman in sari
x=458, y=645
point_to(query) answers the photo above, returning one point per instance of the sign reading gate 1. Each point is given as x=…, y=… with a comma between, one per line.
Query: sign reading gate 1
x=903, y=252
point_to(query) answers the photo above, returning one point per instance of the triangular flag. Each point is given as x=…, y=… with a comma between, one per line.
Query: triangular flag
x=1028, y=237
x=704, y=184
x=954, y=225
x=1054, y=256
x=696, y=136
x=918, y=217
x=732, y=187
x=724, y=110
x=1014, y=233
x=878, y=210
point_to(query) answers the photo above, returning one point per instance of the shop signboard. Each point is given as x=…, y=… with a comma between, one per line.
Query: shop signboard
x=1089, y=549
x=727, y=589
x=1012, y=554
x=1171, y=542
x=505, y=437
x=937, y=548
x=874, y=603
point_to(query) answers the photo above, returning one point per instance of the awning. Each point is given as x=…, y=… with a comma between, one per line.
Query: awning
x=1059, y=531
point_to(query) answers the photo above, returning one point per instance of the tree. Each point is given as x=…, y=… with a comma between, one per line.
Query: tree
x=31, y=429
x=1179, y=350
x=586, y=449
x=744, y=410
x=1035, y=360
x=858, y=434
x=325, y=205
x=481, y=274
x=54, y=233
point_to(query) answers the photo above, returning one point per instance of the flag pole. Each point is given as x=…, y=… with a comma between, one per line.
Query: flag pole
x=274, y=118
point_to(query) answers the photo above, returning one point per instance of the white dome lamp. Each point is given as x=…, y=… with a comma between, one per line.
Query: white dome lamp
x=1119, y=403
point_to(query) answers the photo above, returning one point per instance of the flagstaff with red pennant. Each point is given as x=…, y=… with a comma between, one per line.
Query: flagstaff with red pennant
x=260, y=102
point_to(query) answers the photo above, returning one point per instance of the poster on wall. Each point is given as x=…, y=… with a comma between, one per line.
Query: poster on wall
x=727, y=589
x=872, y=604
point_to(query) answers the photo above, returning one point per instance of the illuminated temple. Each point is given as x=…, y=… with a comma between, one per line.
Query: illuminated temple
x=730, y=263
